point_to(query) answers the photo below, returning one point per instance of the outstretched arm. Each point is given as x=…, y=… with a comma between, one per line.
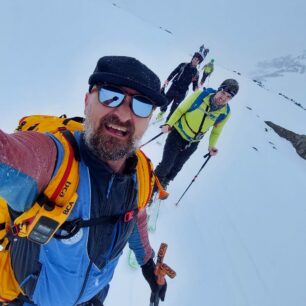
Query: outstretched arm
x=27, y=161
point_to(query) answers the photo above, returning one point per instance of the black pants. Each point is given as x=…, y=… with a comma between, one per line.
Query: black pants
x=205, y=75
x=175, y=156
x=175, y=95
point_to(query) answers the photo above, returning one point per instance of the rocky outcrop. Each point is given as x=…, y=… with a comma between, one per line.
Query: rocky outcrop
x=298, y=141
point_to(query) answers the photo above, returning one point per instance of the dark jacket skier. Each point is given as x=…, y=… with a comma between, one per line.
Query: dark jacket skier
x=182, y=76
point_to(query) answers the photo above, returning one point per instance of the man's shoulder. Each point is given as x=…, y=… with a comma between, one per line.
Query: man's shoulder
x=181, y=65
x=28, y=140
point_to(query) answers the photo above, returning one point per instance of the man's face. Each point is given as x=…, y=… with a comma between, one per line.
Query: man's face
x=195, y=61
x=112, y=133
x=222, y=97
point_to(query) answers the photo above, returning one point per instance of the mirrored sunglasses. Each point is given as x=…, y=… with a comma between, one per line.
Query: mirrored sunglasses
x=113, y=96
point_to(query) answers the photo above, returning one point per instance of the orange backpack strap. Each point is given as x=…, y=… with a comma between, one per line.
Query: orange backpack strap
x=4, y=224
x=9, y=288
x=146, y=180
x=54, y=206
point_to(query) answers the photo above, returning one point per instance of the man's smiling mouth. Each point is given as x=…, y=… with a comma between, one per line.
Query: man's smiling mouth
x=117, y=130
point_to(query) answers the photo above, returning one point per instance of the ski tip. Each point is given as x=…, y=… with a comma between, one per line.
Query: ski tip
x=151, y=230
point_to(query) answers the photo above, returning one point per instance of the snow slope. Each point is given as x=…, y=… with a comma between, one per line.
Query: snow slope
x=237, y=237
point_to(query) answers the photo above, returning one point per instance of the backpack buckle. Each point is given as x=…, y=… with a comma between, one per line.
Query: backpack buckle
x=128, y=216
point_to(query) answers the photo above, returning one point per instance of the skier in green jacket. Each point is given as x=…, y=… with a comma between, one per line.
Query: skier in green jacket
x=191, y=120
x=207, y=71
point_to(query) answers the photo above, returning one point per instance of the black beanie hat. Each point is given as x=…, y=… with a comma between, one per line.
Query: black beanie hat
x=129, y=72
x=199, y=56
x=231, y=86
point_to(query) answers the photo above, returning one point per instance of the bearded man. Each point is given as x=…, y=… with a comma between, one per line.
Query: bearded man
x=122, y=95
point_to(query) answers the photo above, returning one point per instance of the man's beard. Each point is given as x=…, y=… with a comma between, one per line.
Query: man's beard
x=105, y=146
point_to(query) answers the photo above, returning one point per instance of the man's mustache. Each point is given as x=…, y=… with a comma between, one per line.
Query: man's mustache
x=115, y=120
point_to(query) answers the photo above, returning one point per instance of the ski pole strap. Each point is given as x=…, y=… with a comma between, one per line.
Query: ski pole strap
x=202, y=122
x=151, y=139
x=162, y=193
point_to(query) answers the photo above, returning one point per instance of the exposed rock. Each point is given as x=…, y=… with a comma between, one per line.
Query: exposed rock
x=298, y=141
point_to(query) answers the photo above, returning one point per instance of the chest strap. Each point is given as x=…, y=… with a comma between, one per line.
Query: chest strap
x=73, y=226
x=197, y=135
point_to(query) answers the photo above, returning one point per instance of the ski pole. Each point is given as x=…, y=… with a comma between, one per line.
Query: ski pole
x=207, y=156
x=151, y=139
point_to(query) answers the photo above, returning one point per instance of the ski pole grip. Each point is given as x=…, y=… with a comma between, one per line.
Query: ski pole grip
x=167, y=270
x=162, y=269
x=161, y=252
x=160, y=275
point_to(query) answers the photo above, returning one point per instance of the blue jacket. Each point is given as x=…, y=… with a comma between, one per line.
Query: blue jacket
x=73, y=271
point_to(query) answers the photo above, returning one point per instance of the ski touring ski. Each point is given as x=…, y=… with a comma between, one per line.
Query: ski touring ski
x=132, y=261
x=153, y=213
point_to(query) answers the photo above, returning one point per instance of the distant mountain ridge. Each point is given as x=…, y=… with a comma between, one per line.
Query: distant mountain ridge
x=279, y=66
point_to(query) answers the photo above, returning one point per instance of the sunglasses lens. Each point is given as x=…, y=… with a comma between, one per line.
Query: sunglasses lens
x=142, y=107
x=111, y=96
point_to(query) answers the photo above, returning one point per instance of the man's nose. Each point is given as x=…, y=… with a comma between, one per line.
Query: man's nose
x=124, y=111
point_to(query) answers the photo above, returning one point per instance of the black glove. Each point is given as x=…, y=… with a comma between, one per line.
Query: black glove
x=158, y=291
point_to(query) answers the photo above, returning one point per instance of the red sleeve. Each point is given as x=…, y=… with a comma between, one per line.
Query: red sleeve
x=33, y=154
x=139, y=240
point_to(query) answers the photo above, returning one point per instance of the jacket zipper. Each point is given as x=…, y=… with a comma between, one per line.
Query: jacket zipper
x=90, y=261
x=111, y=249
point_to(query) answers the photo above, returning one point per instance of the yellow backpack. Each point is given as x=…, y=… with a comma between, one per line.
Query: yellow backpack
x=53, y=207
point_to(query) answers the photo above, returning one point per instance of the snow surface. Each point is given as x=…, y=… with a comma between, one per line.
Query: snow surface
x=238, y=236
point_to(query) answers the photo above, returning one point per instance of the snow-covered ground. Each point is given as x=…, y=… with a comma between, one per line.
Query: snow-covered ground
x=237, y=237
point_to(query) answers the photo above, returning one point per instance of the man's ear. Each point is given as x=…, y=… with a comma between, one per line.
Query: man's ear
x=86, y=98
x=86, y=103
